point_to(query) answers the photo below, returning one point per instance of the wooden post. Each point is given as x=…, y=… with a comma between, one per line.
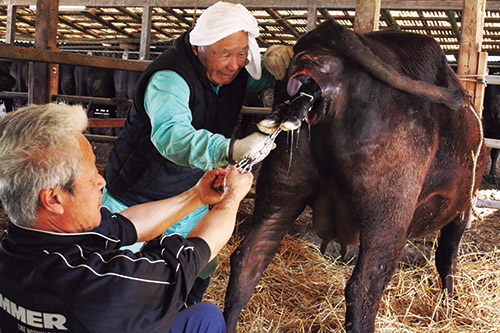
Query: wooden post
x=145, y=33
x=367, y=15
x=312, y=17
x=10, y=34
x=482, y=68
x=470, y=48
x=42, y=77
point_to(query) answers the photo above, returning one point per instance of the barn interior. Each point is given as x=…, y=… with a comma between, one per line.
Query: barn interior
x=113, y=33
x=119, y=34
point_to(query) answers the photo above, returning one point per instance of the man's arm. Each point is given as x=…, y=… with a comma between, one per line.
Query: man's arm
x=153, y=218
x=167, y=104
x=217, y=225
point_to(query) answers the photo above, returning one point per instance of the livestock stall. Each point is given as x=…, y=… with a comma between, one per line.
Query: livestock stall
x=469, y=68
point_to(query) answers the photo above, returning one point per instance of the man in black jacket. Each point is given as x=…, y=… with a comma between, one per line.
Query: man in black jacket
x=186, y=106
x=61, y=267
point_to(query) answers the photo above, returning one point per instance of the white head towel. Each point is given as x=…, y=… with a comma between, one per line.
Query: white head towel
x=223, y=19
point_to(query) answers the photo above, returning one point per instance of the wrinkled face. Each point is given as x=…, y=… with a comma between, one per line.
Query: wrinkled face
x=224, y=59
x=82, y=208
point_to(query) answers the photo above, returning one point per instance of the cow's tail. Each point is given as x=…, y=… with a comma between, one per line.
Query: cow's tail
x=348, y=44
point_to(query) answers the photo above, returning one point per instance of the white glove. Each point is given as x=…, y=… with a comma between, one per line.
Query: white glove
x=277, y=59
x=249, y=146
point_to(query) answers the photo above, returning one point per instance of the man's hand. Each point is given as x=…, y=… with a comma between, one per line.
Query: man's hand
x=236, y=184
x=217, y=225
x=211, y=186
x=249, y=146
x=277, y=59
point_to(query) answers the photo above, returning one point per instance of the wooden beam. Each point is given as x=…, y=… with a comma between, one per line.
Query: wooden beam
x=43, y=77
x=144, y=52
x=179, y=17
x=454, y=26
x=482, y=68
x=312, y=17
x=30, y=54
x=282, y=22
x=92, y=15
x=105, y=122
x=139, y=18
x=338, y=4
x=367, y=15
x=325, y=14
x=10, y=34
x=77, y=27
x=470, y=45
x=391, y=22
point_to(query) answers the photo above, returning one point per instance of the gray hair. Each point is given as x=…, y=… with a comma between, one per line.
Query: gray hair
x=38, y=149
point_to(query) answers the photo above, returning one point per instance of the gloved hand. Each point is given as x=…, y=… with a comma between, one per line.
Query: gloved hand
x=249, y=146
x=277, y=59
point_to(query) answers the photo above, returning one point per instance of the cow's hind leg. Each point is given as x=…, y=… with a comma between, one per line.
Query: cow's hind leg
x=447, y=251
x=378, y=257
x=248, y=262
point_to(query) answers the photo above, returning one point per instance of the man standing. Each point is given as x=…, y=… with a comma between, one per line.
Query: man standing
x=186, y=106
x=61, y=268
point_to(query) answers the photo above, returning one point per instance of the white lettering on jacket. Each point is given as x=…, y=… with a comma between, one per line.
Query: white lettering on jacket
x=33, y=318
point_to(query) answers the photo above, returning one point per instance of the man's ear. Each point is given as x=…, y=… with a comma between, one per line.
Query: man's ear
x=52, y=200
x=195, y=50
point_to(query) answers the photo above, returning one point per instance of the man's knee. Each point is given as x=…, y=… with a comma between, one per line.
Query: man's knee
x=201, y=317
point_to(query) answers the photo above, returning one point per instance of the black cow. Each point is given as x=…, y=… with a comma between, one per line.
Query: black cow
x=392, y=150
x=19, y=70
x=67, y=82
x=491, y=125
x=125, y=82
x=96, y=82
x=7, y=82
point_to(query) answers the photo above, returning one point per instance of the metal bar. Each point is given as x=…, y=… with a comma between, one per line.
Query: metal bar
x=487, y=204
x=100, y=138
x=492, y=143
x=13, y=94
x=256, y=111
x=73, y=98
x=492, y=79
x=116, y=101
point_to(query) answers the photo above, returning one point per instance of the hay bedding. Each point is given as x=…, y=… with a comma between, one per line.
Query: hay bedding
x=303, y=291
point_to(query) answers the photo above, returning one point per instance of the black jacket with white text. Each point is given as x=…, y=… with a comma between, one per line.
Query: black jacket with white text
x=82, y=282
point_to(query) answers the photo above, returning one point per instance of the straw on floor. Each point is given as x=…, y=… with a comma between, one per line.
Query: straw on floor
x=303, y=291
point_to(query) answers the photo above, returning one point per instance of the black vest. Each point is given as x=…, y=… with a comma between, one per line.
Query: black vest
x=136, y=172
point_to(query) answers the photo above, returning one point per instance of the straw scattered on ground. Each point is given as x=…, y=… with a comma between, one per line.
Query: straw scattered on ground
x=303, y=291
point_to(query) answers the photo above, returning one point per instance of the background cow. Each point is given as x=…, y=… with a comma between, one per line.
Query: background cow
x=491, y=125
x=392, y=150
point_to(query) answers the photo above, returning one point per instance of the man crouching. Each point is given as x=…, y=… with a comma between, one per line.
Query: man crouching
x=61, y=268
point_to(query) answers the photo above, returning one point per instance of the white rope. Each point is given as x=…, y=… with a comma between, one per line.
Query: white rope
x=475, y=157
